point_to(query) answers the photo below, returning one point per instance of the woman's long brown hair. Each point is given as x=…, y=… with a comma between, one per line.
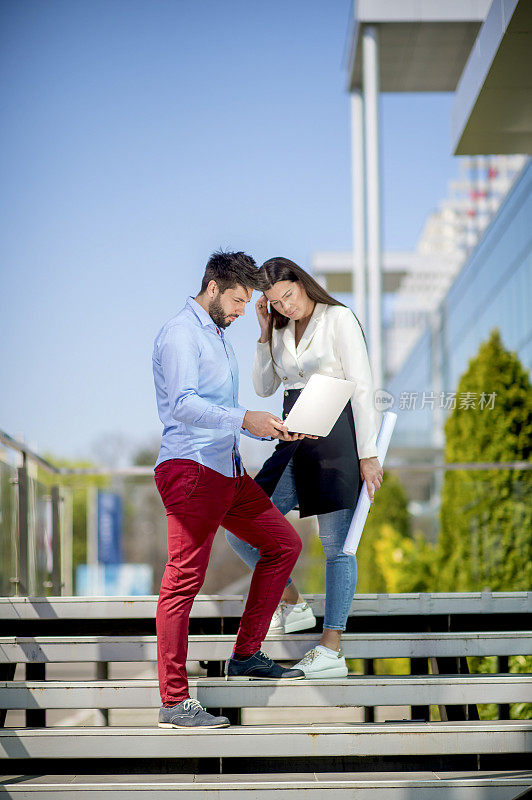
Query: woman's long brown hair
x=282, y=269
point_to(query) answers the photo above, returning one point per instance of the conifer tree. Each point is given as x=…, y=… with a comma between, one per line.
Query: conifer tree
x=486, y=516
x=389, y=509
x=388, y=516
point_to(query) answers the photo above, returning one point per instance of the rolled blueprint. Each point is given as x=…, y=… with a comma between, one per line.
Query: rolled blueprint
x=363, y=506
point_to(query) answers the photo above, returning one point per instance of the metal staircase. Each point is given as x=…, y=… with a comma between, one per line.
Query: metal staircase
x=282, y=747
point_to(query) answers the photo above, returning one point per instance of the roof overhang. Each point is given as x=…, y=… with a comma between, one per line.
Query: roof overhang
x=423, y=44
x=337, y=267
x=492, y=111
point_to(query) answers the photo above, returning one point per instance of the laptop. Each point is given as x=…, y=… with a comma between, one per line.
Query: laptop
x=319, y=405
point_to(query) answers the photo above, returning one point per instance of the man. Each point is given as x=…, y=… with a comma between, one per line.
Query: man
x=203, y=485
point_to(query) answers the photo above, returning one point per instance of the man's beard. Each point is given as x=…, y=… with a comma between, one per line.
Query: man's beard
x=218, y=315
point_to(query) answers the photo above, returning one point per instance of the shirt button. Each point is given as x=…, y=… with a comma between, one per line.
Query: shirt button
x=285, y=378
x=301, y=373
x=286, y=393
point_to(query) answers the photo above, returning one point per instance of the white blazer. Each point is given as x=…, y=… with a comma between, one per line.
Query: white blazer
x=332, y=344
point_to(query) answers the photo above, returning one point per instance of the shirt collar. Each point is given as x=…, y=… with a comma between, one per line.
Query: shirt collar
x=318, y=312
x=289, y=333
x=200, y=312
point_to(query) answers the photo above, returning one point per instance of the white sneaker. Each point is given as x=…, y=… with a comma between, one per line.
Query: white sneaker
x=289, y=618
x=317, y=663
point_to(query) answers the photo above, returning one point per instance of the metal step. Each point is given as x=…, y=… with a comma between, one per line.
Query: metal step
x=44, y=649
x=370, y=739
x=388, y=690
x=341, y=786
x=210, y=606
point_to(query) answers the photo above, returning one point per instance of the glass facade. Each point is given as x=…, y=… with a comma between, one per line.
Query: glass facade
x=8, y=528
x=493, y=290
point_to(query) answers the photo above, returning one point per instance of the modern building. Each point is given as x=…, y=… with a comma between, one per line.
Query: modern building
x=395, y=46
x=492, y=290
x=414, y=283
x=472, y=270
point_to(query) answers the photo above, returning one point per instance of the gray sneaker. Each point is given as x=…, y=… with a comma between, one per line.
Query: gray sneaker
x=189, y=714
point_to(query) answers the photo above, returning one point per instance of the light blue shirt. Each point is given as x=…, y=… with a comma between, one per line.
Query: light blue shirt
x=196, y=384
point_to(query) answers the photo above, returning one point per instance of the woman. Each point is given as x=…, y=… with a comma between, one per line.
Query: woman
x=307, y=331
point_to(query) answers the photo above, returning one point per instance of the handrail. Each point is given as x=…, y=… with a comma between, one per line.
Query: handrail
x=27, y=452
x=424, y=466
x=25, y=572
x=420, y=466
x=132, y=471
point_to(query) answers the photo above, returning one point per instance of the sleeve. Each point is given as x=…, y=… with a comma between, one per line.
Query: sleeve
x=352, y=352
x=179, y=354
x=245, y=432
x=265, y=379
x=258, y=438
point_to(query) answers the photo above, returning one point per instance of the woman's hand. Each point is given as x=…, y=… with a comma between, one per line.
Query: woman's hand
x=371, y=472
x=261, y=307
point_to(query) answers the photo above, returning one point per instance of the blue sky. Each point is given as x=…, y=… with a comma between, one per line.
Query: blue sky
x=137, y=137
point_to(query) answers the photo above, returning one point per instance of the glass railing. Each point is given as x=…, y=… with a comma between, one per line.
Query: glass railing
x=34, y=532
x=8, y=528
x=433, y=527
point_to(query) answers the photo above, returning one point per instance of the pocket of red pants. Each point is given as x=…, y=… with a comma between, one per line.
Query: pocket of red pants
x=192, y=479
x=164, y=474
x=176, y=480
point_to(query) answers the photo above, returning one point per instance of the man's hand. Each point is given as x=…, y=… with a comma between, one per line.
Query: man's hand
x=262, y=423
x=292, y=437
x=371, y=472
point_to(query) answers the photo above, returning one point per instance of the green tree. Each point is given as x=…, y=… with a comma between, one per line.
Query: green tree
x=78, y=486
x=486, y=516
x=146, y=456
x=389, y=513
x=406, y=564
x=388, y=530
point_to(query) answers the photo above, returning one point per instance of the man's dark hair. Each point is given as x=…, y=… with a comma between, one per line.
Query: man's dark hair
x=229, y=270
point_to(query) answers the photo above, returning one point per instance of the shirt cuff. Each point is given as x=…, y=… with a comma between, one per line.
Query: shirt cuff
x=252, y=435
x=237, y=416
x=368, y=453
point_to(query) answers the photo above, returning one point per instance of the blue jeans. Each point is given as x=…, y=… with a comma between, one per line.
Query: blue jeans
x=340, y=569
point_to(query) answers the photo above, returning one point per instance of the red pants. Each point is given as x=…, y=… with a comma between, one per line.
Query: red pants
x=198, y=500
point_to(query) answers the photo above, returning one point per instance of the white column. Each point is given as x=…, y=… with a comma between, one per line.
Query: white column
x=92, y=526
x=437, y=375
x=66, y=528
x=370, y=66
x=357, y=205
